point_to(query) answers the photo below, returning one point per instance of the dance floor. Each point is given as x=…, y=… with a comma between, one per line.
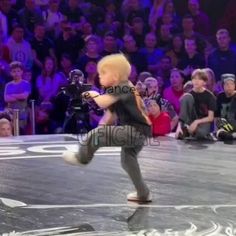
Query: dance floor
x=193, y=187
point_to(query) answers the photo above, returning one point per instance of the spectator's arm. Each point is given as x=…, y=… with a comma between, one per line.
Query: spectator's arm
x=21, y=96
x=10, y=98
x=209, y=118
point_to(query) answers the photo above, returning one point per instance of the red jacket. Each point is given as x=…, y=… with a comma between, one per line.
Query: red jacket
x=161, y=125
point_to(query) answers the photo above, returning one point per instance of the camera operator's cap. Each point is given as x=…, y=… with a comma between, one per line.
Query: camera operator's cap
x=226, y=77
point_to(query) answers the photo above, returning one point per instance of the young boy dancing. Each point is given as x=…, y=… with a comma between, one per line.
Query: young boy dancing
x=122, y=104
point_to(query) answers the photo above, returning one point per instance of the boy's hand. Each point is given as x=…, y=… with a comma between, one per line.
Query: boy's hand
x=192, y=128
x=90, y=94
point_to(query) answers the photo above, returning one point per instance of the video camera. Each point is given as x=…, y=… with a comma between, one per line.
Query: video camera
x=75, y=89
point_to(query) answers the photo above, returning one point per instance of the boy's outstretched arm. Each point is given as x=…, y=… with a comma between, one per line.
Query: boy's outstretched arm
x=102, y=101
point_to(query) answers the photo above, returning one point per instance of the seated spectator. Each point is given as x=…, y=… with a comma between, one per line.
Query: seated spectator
x=223, y=59
x=17, y=92
x=52, y=18
x=29, y=16
x=152, y=53
x=66, y=66
x=164, y=70
x=226, y=109
x=161, y=122
x=155, y=13
x=175, y=91
x=72, y=11
x=192, y=59
x=134, y=55
x=201, y=20
x=91, y=52
x=188, y=32
x=138, y=30
x=110, y=44
x=49, y=82
x=152, y=92
x=144, y=75
x=20, y=50
x=69, y=42
x=196, y=109
x=108, y=25
x=169, y=8
x=211, y=85
x=5, y=128
x=165, y=37
x=8, y=17
x=176, y=51
x=42, y=47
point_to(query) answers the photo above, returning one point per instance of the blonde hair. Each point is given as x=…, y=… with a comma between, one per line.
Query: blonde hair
x=116, y=62
x=4, y=121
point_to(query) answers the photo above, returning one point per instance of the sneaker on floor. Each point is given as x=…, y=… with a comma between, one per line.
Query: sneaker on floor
x=135, y=198
x=71, y=158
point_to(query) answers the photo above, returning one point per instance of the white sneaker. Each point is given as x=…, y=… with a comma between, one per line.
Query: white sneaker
x=70, y=158
x=135, y=198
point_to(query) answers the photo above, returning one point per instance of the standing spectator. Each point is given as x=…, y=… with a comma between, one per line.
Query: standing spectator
x=175, y=91
x=17, y=92
x=223, y=59
x=20, y=50
x=201, y=20
x=29, y=16
x=197, y=109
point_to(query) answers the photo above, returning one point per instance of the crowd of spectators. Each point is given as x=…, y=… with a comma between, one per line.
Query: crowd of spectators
x=42, y=41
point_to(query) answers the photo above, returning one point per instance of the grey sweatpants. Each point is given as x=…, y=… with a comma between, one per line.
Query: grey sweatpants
x=188, y=115
x=131, y=142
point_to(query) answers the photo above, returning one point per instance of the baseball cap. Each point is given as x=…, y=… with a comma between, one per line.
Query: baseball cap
x=226, y=77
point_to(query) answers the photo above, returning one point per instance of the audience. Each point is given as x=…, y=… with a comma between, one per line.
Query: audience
x=51, y=38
